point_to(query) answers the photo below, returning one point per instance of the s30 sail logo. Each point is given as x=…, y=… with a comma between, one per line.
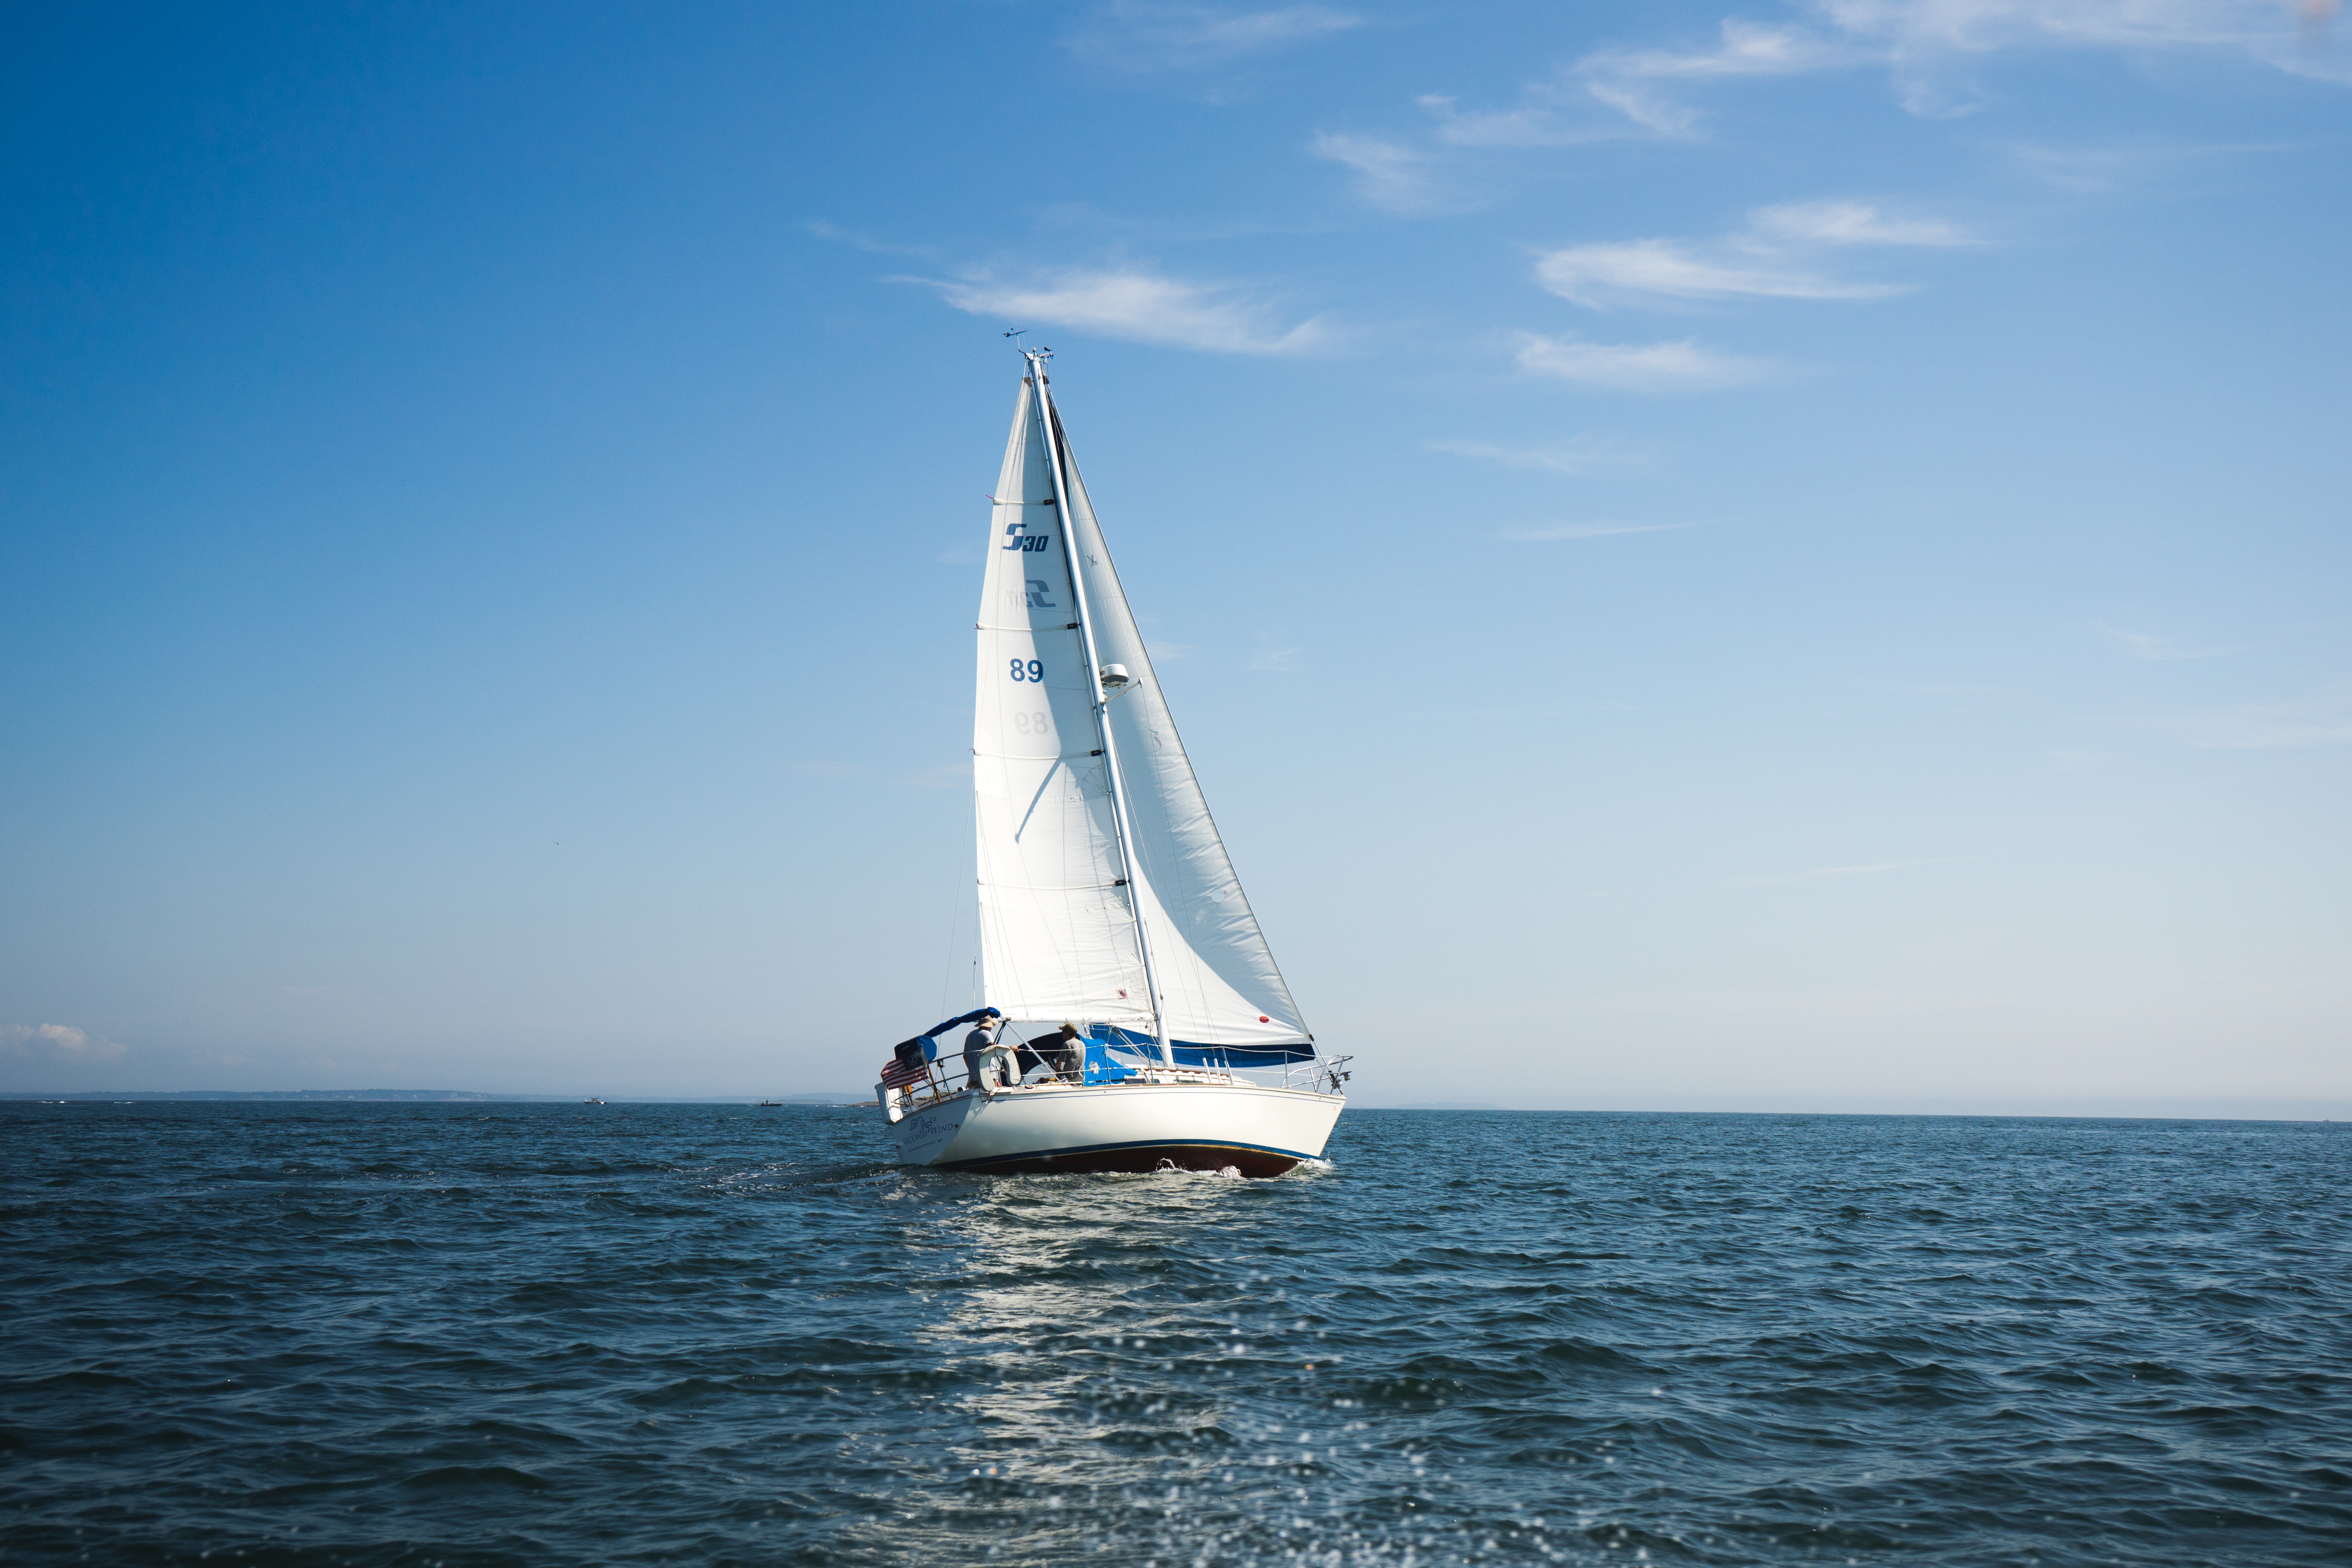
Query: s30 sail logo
x=1018, y=537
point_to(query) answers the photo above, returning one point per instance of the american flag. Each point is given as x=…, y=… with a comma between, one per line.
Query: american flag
x=899, y=1074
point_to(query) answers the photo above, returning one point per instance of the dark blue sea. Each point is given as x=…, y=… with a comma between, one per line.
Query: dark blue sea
x=507, y=1333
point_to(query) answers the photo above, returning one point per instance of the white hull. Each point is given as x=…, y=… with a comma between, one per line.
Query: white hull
x=1119, y=1127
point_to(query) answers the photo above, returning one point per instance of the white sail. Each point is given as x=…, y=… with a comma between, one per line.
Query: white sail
x=1058, y=930
x=1217, y=977
x=1058, y=919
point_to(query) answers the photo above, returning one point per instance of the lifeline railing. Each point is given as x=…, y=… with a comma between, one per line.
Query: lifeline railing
x=937, y=1078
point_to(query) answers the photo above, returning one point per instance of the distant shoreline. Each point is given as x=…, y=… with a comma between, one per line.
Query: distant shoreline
x=421, y=1097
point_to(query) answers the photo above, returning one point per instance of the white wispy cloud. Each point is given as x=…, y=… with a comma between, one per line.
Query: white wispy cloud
x=1681, y=366
x=1637, y=83
x=1586, y=530
x=1139, y=306
x=1742, y=48
x=1596, y=274
x=2322, y=719
x=1536, y=121
x=1776, y=255
x=1921, y=40
x=837, y=235
x=58, y=1042
x=1934, y=687
x=1921, y=43
x=1835, y=222
x=2093, y=169
x=1875, y=869
x=1983, y=26
x=1577, y=455
x=1389, y=174
x=1924, y=46
x=1277, y=657
x=1618, y=92
x=1145, y=36
x=2140, y=645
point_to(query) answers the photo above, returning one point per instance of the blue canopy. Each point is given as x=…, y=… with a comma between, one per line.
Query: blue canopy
x=1196, y=1054
x=974, y=1017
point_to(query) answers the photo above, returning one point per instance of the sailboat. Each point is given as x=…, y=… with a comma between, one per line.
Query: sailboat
x=1108, y=904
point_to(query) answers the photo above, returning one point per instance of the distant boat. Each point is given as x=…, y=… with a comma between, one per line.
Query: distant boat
x=771, y=1104
x=1107, y=898
x=591, y=1099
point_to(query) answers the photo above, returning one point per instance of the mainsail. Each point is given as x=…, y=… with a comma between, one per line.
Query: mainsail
x=1057, y=931
x=1059, y=910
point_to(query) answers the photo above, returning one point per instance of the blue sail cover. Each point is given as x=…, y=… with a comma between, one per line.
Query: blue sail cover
x=1194, y=1054
x=974, y=1017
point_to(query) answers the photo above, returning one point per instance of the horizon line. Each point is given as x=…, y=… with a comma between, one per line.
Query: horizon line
x=2252, y=1108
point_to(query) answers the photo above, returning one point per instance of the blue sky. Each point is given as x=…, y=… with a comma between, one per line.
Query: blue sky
x=1789, y=556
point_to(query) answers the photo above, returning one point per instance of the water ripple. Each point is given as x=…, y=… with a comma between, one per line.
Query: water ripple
x=413, y=1334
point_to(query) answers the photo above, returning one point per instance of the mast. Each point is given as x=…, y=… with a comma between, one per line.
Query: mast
x=1099, y=698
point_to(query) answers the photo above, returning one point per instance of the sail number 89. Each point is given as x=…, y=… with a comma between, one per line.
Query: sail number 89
x=1028, y=669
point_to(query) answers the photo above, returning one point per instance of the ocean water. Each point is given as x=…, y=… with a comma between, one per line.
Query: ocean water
x=487, y=1333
